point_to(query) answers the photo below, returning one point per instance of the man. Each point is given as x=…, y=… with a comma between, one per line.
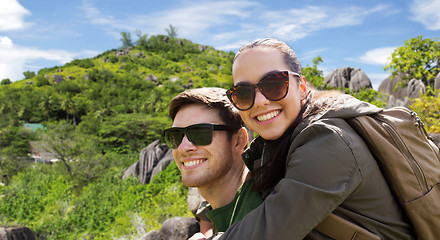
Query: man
x=208, y=138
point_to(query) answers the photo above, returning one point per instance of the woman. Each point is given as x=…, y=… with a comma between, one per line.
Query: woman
x=307, y=160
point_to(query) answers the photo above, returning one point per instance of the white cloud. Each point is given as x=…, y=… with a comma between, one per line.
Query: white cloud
x=13, y=58
x=426, y=12
x=378, y=56
x=191, y=21
x=11, y=15
x=312, y=54
x=243, y=20
x=293, y=24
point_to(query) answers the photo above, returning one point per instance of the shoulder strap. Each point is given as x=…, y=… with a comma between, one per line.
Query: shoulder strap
x=340, y=229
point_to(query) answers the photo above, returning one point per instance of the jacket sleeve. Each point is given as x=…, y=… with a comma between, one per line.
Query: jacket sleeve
x=321, y=172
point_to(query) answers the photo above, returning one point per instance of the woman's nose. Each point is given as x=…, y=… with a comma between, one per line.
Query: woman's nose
x=260, y=99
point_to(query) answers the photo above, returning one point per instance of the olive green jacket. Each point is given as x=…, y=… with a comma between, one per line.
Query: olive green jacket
x=328, y=169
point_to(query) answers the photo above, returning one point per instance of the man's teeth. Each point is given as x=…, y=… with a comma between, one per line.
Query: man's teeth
x=192, y=163
x=268, y=116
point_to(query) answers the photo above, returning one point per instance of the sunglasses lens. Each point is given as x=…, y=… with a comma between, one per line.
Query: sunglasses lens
x=275, y=86
x=243, y=96
x=173, y=137
x=200, y=135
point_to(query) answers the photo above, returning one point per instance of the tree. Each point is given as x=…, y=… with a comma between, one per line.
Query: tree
x=142, y=41
x=418, y=58
x=70, y=107
x=28, y=74
x=47, y=105
x=6, y=81
x=126, y=39
x=171, y=31
x=313, y=74
x=59, y=139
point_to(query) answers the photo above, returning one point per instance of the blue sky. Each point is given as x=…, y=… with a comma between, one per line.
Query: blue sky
x=357, y=33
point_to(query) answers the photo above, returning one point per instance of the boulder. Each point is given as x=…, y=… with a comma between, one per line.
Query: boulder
x=19, y=233
x=194, y=199
x=176, y=228
x=122, y=52
x=152, y=159
x=202, y=48
x=179, y=228
x=174, y=79
x=437, y=81
x=189, y=85
x=401, y=95
x=152, y=78
x=389, y=87
x=151, y=235
x=415, y=88
x=57, y=79
x=140, y=55
x=348, y=77
x=435, y=138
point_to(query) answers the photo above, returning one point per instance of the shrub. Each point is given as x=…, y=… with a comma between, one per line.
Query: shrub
x=428, y=109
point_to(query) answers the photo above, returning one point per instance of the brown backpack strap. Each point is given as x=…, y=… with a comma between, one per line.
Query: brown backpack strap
x=340, y=229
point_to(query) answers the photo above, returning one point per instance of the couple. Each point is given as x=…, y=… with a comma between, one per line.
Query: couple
x=306, y=164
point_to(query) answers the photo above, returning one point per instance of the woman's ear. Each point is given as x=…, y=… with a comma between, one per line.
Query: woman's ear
x=303, y=87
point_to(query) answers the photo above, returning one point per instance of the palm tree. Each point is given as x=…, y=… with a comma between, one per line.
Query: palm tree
x=46, y=105
x=70, y=107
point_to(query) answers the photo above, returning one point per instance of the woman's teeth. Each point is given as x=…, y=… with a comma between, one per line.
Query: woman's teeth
x=268, y=116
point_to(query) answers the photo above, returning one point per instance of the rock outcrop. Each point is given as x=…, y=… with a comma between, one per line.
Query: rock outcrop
x=152, y=159
x=435, y=138
x=18, y=233
x=348, y=77
x=176, y=228
x=437, y=81
x=401, y=96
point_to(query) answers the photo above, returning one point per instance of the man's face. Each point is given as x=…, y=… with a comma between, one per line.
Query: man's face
x=202, y=166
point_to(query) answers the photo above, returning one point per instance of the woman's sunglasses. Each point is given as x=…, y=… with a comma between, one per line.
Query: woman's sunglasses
x=198, y=134
x=274, y=86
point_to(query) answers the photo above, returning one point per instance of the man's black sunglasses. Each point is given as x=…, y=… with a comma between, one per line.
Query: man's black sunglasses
x=199, y=134
x=274, y=86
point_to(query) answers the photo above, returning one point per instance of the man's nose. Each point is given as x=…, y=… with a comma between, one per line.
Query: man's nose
x=186, y=144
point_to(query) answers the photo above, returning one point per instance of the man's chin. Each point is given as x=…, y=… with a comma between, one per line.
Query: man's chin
x=190, y=182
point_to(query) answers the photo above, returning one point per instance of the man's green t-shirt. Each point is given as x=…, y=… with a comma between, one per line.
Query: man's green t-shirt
x=244, y=201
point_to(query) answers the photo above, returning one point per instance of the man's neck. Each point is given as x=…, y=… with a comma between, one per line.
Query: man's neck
x=223, y=191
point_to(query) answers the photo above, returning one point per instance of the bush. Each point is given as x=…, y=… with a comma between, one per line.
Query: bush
x=428, y=109
x=46, y=200
x=42, y=81
x=83, y=63
x=370, y=95
x=6, y=81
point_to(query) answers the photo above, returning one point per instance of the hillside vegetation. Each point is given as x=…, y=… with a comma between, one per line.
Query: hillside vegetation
x=98, y=114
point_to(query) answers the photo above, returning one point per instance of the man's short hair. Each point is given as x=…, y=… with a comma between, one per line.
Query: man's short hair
x=212, y=98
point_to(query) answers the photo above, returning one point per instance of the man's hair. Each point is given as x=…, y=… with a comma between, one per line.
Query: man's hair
x=212, y=98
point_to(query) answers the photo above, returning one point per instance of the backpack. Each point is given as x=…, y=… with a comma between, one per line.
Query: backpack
x=410, y=162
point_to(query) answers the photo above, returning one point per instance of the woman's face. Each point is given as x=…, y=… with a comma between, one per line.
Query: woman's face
x=270, y=119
